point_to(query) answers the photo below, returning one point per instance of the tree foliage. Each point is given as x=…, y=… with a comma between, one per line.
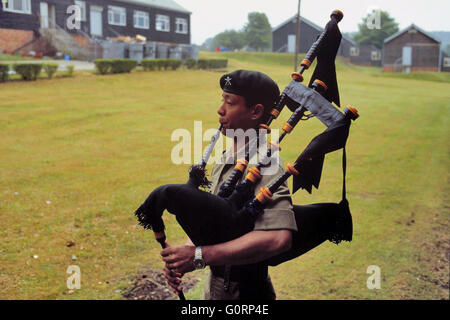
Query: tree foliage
x=230, y=39
x=371, y=33
x=258, y=32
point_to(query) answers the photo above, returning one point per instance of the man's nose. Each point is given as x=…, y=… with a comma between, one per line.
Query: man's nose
x=221, y=110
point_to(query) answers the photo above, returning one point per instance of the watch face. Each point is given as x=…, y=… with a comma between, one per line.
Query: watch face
x=199, y=264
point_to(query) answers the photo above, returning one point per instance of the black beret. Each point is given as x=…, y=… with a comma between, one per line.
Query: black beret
x=254, y=86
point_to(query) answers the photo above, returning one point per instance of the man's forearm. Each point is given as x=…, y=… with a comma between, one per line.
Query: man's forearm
x=252, y=247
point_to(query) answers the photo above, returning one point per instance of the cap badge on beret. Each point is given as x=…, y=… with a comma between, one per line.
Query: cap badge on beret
x=228, y=81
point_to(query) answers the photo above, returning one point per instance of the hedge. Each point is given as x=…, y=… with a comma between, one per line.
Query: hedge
x=50, y=69
x=70, y=69
x=4, y=69
x=212, y=63
x=105, y=66
x=160, y=64
x=123, y=65
x=28, y=71
x=190, y=63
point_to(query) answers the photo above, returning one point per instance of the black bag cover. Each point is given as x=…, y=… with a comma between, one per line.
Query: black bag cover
x=317, y=223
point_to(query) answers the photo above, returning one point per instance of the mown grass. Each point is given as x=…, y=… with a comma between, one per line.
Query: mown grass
x=78, y=155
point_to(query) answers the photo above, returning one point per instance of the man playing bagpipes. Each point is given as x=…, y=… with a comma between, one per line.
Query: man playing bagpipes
x=247, y=99
x=241, y=224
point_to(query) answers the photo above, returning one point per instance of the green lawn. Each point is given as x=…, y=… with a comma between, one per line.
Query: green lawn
x=78, y=155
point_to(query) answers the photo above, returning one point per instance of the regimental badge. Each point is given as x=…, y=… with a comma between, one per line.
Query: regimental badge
x=228, y=81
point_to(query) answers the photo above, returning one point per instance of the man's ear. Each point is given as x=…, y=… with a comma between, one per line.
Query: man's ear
x=257, y=111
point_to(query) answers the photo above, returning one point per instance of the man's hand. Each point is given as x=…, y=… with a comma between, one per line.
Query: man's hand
x=173, y=279
x=179, y=259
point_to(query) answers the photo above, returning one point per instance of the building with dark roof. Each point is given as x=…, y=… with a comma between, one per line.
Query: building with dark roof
x=24, y=22
x=412, y=49
x=284, y=37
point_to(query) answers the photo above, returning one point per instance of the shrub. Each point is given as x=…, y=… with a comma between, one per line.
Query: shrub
x=4, y=69
x=160, y=63
x=174, y=64
x=28, y=71
x=153, y=64
x=50, y=69
x=103, y=65
x=218, y=63
x=70, y=69
x=123, y=65
x=190, y=63
x=203, y=64
x=149, y=64
x=212, y=63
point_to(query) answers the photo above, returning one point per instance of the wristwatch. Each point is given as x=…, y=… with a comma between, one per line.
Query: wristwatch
x=199, y=263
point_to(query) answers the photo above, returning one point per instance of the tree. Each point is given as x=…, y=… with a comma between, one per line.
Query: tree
x=208, y=45
x=230, y=39
x=375, y=27
x=258, y=32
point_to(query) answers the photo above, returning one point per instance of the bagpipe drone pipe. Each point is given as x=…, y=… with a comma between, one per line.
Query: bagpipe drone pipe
x=210, y=219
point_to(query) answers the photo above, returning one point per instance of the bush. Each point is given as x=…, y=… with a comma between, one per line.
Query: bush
x=4, y=69
x=174, y=64
x=70, y=69
x=153, y=64
x=149, y=64
x=50, y=69
x=190, y=63
x=123, y=65
x=218, y=63
x=212, y=63
x=160, y=64
x=203, y=64
x=103, y=65
x=28, y=71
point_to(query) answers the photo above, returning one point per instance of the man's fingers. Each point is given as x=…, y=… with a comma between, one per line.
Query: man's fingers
x=167, y=251
x=171, y=273
x=170, y=258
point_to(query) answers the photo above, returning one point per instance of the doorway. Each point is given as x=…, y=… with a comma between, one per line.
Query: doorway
x=96, y=18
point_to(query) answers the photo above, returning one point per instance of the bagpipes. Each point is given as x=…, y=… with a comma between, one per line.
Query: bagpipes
x=210, y=219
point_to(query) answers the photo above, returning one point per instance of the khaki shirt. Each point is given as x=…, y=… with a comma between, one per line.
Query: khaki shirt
x=278, y=214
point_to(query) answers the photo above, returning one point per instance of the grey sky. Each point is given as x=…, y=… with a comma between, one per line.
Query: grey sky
x=210, y=17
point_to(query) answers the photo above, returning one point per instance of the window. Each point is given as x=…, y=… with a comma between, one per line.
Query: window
x=375, y=55
x=82, y=6
x=17, y=6
x=354, y=51
x=181, y=25
x=162, y=23
x=117, y=16
x=141, y=20
x=446, y=62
